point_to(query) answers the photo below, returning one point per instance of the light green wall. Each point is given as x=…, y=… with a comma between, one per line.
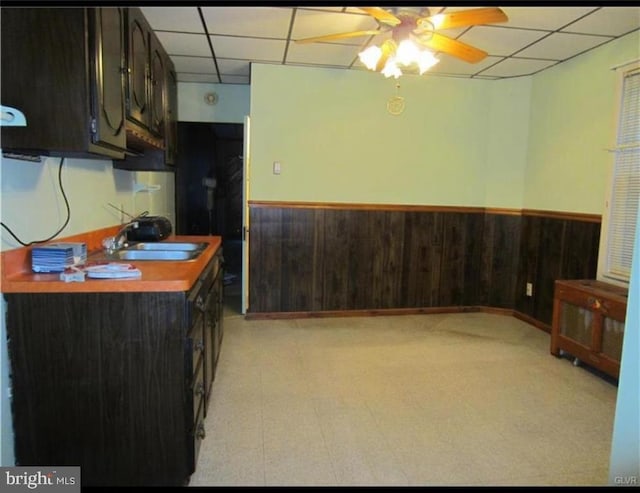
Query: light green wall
x=507, y=142
x=232, y=105
x=336, y=142
x=572, y=124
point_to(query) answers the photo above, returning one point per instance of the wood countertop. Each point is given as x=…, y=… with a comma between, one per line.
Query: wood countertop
x=17, y=276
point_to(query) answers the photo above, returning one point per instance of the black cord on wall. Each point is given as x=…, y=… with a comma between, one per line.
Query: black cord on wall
x=66, y=202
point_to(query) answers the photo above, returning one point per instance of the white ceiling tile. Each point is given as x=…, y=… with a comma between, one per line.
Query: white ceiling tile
x=261, y=22
x=560, y=46
x=188, y=77
x=548, y=18
x=514, y=67
x=322, y=53
x=235, y=79
x=452, y=65
x=201, y=65
x=183, y=19
x=611, y=21
x=184, y=44
x=249, y=48
x=312, y=23
x=500, y=41
x=234, y=67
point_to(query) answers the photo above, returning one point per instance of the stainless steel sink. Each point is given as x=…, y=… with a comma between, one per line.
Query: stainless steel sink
x=157, y=254
x=168, y=245
x=164, y=250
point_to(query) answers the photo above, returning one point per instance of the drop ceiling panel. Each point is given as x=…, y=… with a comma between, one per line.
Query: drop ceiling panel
x=453, y=65
x=546, y=18
x=181, y=19
x=184, y=44
x=560, y=46
x=610, y=21
x=311, y=23
x=534, y=38
x=500, y=41
x=234, y=67
x=197, y=65
x=249, y=48
x=258, y=22
x=189, y=77
x=329, y=54
x=515, y=67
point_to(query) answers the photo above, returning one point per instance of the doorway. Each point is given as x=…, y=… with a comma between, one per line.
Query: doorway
x=209, y=183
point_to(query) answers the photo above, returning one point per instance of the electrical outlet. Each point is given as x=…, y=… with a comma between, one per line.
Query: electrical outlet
x=529, y=291
x=276, y=167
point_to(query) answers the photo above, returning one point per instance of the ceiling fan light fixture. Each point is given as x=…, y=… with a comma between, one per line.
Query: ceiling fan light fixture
x=426, y=60
x=407, y=52
x=391, y=68
x=370, y=57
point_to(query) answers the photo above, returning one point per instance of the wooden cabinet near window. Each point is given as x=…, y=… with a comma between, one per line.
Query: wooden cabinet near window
x=588, y=323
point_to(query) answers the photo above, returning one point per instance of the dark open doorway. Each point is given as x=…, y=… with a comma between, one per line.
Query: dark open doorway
x=209, y=182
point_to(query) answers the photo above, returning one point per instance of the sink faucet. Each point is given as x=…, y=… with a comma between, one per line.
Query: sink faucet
x=114, y=243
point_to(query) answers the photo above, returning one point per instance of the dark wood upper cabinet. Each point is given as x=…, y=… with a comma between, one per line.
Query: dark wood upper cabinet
x=68, y=84
x=150, y=97
x=92, y=82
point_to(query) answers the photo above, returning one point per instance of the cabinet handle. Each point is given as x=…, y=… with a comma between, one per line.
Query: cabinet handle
x=199, y=389
x=200, y=303
x=199, y=346
x=200, y=433
x=595, y=303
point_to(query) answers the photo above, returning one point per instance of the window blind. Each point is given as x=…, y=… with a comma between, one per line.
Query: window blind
x=626, y=181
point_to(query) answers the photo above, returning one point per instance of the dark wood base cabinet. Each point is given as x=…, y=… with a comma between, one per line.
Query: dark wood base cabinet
x=588, y=323
x=117, y=383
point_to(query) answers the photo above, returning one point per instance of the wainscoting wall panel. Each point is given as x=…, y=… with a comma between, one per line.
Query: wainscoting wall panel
x=313, y=258
x=554, y=247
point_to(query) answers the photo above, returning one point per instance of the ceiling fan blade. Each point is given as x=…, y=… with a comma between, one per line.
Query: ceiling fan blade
x=468, y=53
x=463, y=18
x=381, y=15
x=330, y=37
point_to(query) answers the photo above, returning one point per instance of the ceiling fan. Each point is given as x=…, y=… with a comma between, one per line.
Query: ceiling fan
x=417, y=25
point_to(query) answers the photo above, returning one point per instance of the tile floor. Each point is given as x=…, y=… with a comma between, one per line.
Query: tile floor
x=446, y=399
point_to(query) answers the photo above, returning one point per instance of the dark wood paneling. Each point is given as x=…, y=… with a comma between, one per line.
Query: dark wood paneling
x=500, y=253
x=265, y=260
x=297, y=264
x=421, y=261
x=553, y=248
x=312, y=259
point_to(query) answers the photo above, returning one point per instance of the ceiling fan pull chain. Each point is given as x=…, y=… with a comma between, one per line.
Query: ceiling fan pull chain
x=395, y=105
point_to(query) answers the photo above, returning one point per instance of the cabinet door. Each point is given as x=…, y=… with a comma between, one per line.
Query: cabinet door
x=138, y=68
x=157, y=85
x=107, y=78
